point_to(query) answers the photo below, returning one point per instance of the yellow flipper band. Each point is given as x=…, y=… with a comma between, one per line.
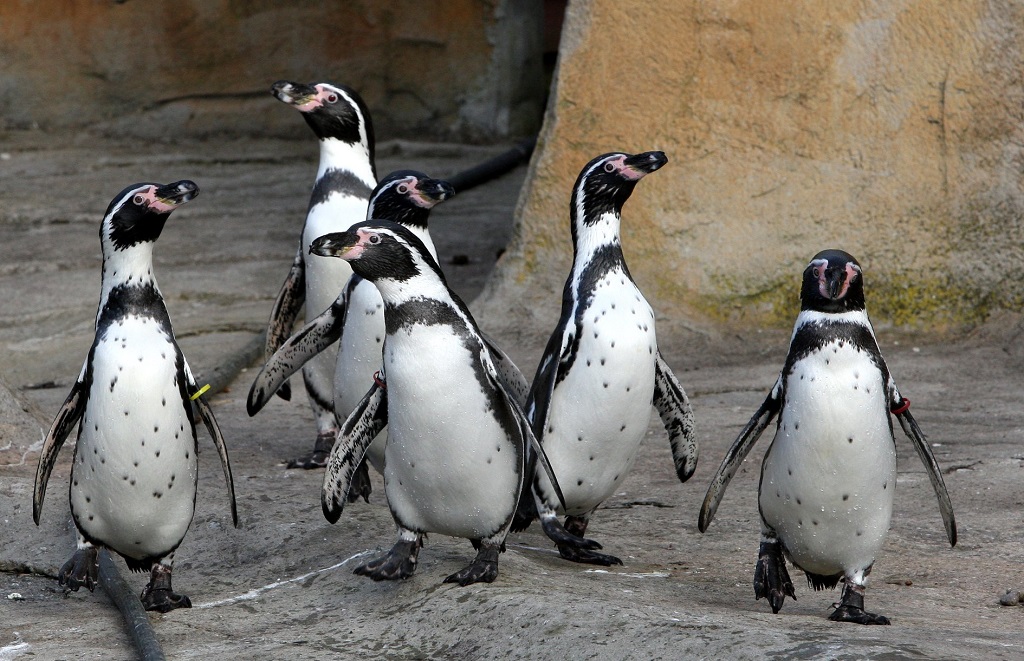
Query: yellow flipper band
x=200, y=392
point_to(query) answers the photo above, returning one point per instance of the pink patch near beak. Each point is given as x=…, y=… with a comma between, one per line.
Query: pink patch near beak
x=155, y=203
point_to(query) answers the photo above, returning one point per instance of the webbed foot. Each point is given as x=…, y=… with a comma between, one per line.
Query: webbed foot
x=158, y=595
x=484, y=568
x=321, y=451
x=399, y=562
x=576, y=526
x=360, y=486
x=851, y=608
x=771, y=579
x=562, y=536
x=82, y=569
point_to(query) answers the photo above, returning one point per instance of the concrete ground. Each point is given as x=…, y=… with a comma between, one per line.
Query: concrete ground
x=281, y=587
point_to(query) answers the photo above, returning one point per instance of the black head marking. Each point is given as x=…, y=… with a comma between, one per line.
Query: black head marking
x=378, y=249
x=607, y=181
x=332, y=111
x=138, y=213
x=406, y=197
x=832, y=282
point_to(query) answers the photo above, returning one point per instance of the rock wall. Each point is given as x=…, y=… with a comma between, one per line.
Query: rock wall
x=893, y=130
x=464, y=69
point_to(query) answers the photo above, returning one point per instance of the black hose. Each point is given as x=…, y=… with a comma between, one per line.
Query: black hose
x=136, y=619
x=494, y=167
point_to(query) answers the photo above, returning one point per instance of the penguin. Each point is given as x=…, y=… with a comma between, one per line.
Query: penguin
x=134, y=473
x=356, y=317
x=455, y=453
x=344, y=180
x=828, y=478
x=604, y=354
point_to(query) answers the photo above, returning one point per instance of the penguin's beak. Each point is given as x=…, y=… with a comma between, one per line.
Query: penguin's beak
x=835, y=281
x=336, y=244
x=645, y=163
x=432, y=191
x=294, y=94
x=176, y=194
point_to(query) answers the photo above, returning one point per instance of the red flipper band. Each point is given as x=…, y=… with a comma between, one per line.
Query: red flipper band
x=383, y=386
x=902, y=408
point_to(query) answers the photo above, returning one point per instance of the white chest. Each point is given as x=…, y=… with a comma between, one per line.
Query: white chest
x=828, y=479
x=600, y=411
x=134, y=476
x=450, y=465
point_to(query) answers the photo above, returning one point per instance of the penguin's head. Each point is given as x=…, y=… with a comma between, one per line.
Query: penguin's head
x=377, y=250
x=137, y=214
x=334, y=112
x=605, y=184
x=406, y=197
x=833, y=282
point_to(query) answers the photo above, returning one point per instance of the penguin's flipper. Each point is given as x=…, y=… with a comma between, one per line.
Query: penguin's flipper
x=508, y=374
x=206, y=413
x=924, y=451
x=737, y=453
x=68, y=416
x=310, y=340
x=677, y=416
x=528, y=438
x=286, y=311
x=362, y=425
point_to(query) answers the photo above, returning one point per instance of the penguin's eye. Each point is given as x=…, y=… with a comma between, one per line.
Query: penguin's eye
x=609, y=167
x=373, y=239
x=138, y=199
x=332, y=98
x=817, y=271
x=403, y=189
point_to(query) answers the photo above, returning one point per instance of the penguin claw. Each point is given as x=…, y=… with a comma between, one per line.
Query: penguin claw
x=588, y=557
x=158, y=595
x=398, y=563
x=484, y=569
x=163, y=600
x=851, y=608
x=557, y=533
x=317, y=458
x=82, y=569
x=360, y=485
x=771, y=578
x=847, y=613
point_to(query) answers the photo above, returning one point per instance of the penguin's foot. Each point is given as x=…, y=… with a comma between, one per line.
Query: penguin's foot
x=587, y=557
x=851, y=608
x=399, y=562
x=82, y=569
x=321, y=451
x=360, y=485
x=562, y=537
x=484, y=568
x=158, y=595
x=771, y=579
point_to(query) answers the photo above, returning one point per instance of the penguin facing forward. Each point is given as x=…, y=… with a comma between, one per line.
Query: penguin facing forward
x=828, y=478
x=134, y=475
x=344, y=180
x=590, y=403
x=454, y=458
x=356, y=317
